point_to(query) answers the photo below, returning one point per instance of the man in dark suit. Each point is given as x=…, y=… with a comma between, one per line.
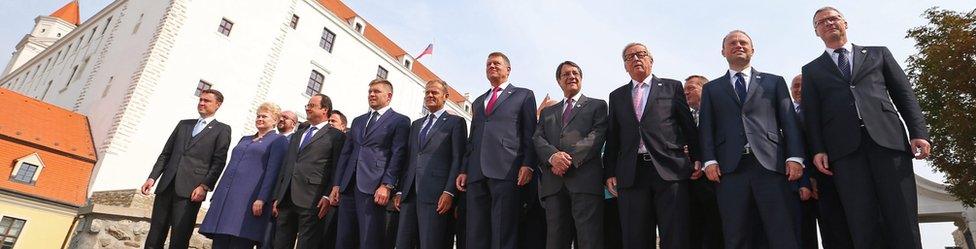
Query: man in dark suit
x=855, y=132
x=499, y=159
x=437, y=144
x=706, y=224
x=188, y=168
x=300, y=200
x=369, y=168
x=646, y=166
x=568, y=141
x=748, y=129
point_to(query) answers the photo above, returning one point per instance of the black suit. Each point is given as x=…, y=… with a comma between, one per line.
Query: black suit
x=652, y=188
x=706, y=223
x=856, y=123
x=752, y=179
x=573, y=201
x=186, y=162
x=306, y=174
x=500, y=143
x=432, y=167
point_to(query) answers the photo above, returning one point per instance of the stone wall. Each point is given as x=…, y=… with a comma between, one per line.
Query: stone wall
x=120, y=220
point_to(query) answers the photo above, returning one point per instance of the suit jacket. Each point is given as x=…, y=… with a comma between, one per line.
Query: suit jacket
x=877, y=86
x=374, y=156
x=765, y=120
x=306, y=172
x=666, y=127
x=433, y=165
x=501, y=143
x=190, y=161
x=582, y=137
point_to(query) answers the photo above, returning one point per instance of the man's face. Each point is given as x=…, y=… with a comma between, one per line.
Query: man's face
x=497, y=70
x=830, y=25
x=434, y=97
x=570, y=80
x=693, y=91
x=638, y=62
x=797, y=88
x=286, y=124
x=336, y=121
x=379, y=96
x=737, y=48
x=316, y=114
x=207, y=105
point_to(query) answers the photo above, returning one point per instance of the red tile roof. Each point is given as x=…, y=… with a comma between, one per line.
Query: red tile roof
x=68, y=13
x=380, y=40
x=32, y=121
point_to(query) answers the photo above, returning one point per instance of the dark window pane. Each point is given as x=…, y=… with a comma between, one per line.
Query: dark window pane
x=327, y=40
x=381, y=72
x=225, y=27
x=202, y=85
x=294, y=21
x=314, y=83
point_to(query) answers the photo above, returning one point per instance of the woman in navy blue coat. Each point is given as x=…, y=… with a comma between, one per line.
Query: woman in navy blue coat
x=239, y=212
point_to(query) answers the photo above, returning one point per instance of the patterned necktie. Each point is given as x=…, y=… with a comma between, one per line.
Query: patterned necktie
x=740, y=87
x=638, y=95
x=372, y=119
x=491, y=102
x=843, y=64
x=568, y=111
x=199, y=127
x=307, y=137
x=423, y=132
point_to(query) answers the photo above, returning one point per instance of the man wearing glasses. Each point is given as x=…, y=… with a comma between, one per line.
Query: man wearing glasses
x=855, y=132
x=646, y=166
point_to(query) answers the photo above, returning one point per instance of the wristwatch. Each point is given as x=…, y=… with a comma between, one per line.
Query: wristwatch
x=389, y=186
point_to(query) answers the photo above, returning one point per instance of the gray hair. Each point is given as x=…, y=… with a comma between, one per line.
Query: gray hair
x=624, y=52
x=825, y=8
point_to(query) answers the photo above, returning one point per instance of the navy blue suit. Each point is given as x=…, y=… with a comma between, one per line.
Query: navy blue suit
x=371, y=157
x=752, y=180
x=500, y=143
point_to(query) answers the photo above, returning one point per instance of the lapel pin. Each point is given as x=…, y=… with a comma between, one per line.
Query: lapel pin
x=758, y=77
x=864, y=51
x=659, y=84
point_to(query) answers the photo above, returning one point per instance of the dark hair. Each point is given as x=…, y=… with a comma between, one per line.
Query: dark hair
x=217, y=95
x=570, y=63
x=341, y=116
x=325, y=102
x=825, y=8
x=382, y=81
x=500, y=54
x=704, y=80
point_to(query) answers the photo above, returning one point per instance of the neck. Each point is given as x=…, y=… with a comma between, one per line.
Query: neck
x=498, y=82
x=313, y=122
x=206, y=116
x=378, y=107
x=263, y=131
x=836, y=43
x=640, y=78
x=738, y=67
x=570, y=95
x=695, y=105
x=435, y=109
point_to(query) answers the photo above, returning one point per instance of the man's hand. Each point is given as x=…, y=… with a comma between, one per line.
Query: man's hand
x=461, y=182
x=921, y=148
x=816, y=190
x=561, y=160
x=821, y=161
x=698, y=172
x=396, y=202
x=524, y=175
x=323, y=206
x=612, y=186
x=198, y=194
x=381, y=196
x=257, y=208
x=714, y=173
x=557, y=171
x=794, y=170
x=444, y=203
x=805, y=194
x=274, y=209
x=334, y=196
x=147, y=186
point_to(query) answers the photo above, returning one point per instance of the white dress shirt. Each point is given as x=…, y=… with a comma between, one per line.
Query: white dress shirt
x=850, y=55
x=491, y=90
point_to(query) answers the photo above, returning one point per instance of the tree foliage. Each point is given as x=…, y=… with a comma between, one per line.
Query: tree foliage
x=944, y=72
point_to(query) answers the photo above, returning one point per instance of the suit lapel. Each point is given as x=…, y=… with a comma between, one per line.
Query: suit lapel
x=630, y=100
x=726, y=84
x=502, y=96
x=194, y=139
x=860, y=55
x=318, y=134
x=829, y=65
x=437, y=124
x=379, y=122
x=753, y=86
x=654, y=84
x=576, y=109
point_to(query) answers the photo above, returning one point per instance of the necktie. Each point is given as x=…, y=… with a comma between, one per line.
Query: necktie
x=199, y=127
x=740, y=87
x=372, y=119
x=799, y=112
x=423, y=132
x=307, y=137
x=568, y=111
x=491, y=102
x=843, y=64
x=638, y=95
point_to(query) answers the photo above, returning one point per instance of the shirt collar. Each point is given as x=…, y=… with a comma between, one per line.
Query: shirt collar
x=319, y=126
x=847, y=46
x=439, y=113
x=207, y=120
x=381, y=111
x=500, y=87
x=575, y=98
x=746, y=72
x=647, y=81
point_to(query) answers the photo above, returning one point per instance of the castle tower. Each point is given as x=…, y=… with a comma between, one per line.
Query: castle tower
x=47, y=30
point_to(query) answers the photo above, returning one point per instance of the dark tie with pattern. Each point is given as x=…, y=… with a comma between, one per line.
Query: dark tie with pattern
x=308, y=137
x=568, y=111
x=740, y=87
x=372, y=119
x=423, y=132
x=843, y=64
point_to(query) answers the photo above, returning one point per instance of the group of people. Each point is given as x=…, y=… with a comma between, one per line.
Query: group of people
x=730, y=163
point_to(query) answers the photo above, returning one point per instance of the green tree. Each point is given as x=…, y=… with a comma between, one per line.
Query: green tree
x=944, y=72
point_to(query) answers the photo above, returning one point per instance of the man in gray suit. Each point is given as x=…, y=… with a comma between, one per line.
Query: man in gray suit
x=748, y=129
x=568, y=140
x=436, y=148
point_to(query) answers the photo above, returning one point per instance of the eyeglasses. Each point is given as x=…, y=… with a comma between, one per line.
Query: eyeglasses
x=636, y=56
x=569, y=74
x=828, y=20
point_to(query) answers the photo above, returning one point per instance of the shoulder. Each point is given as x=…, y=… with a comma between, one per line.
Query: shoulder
x=620, y=89
x=771, y=76
x=670, y=82
x=597, y=102
x=522, y=90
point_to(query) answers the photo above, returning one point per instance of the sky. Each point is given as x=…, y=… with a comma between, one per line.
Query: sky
x=683, y=36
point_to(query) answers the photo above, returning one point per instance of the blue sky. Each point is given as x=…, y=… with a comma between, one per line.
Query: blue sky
x=684, y=37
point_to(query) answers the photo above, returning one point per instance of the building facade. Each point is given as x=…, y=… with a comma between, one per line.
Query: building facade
x=135, y=67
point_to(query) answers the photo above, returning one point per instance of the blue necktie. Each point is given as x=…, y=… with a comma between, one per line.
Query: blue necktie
x=843, y=64
x=307, y=137
x=423, y=132
x=740, y=87
x=372, y=119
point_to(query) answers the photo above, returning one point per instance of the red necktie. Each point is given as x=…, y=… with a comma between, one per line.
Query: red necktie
x=491, y=102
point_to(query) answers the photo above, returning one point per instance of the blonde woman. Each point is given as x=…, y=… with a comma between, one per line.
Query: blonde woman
x=239, y=212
